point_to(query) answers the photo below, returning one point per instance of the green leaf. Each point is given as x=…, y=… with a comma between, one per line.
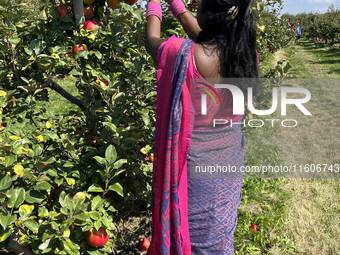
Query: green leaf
x=137, y=14
x=14, y=41
x=109, y=224
x=62, y=198
x=32, y=225
x=82, y=54
x=42, y=212
x=97, y=225
x=126, y=7
x=33, y=197
x=4, y=234
x=42, y=185
x=151, y=94
x=68, y=246
x=17, y=198
x=117, y=188
x=26, y=210
x=83, y=216
x=100, y=160
x=118, y=164
x=111, y=154
x=110, y=126
x=9, y=160
x=98, y=54
x=65, y=26
x=48, y=159
x=28, y=51
x=94, y=252
x=96, y=202
x=95, y=188
x=94, y=215
x=4, y=220
x=69, y=203
x=52, y=172
x=74, y=72
x=5, y=182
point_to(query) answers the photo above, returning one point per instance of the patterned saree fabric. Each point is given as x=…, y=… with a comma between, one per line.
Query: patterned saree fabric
x=192, y=213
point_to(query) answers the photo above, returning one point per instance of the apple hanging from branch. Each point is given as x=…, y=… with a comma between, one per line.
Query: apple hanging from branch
x=114, y=4
x=78, y=47
x=90, y=25
x=97, y=238
x=62, y=11
x=88, y=11
x=131, y=2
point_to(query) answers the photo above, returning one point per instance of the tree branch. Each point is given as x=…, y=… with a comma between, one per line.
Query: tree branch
x=15, y=246
x=49, y=83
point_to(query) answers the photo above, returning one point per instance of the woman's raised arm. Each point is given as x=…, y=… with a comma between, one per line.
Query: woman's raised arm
x=153, y=27
x=188, y=22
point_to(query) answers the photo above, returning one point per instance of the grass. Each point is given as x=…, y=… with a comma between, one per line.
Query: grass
x=313, y=207
x=59, y=103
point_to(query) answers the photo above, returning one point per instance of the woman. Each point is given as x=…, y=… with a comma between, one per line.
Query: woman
x=195, y=212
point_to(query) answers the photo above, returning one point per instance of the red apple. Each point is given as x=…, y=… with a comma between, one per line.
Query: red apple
x=105, y=82
x=88, y=11
x=77, y=48
x=3, y=125
x=90, y=25
x=12, y=102
x=254, y=227
x=151, y=157
x=98, y=82
x=114, y=4
x=97, y=238
x=74, y=228
x=130, y=2
x=45, y=164
x=143, y=244
x=91, y=139
x=62, y=11
x=108, y=194
x=88, y=1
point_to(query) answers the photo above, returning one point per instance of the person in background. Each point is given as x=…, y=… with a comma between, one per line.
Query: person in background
x=298, y=34
x=288, y=26
x=292, y=27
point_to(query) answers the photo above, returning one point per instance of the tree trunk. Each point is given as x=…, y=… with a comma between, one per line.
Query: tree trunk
x=79, y=11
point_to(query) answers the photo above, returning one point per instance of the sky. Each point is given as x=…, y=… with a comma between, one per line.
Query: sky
x=297, y=6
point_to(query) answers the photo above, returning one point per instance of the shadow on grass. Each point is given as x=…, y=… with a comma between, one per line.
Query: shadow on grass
x=328, y=54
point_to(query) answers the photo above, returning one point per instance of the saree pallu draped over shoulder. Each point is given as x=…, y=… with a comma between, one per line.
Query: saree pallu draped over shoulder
x=177, y=198
x=170, y=191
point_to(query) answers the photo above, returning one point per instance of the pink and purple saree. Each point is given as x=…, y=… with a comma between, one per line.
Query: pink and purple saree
x=187, y=217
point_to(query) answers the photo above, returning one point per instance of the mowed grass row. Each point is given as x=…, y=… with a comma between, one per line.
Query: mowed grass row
x=313, y=208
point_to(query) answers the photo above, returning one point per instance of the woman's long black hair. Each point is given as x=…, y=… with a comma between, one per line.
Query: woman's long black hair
x=234, y=39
